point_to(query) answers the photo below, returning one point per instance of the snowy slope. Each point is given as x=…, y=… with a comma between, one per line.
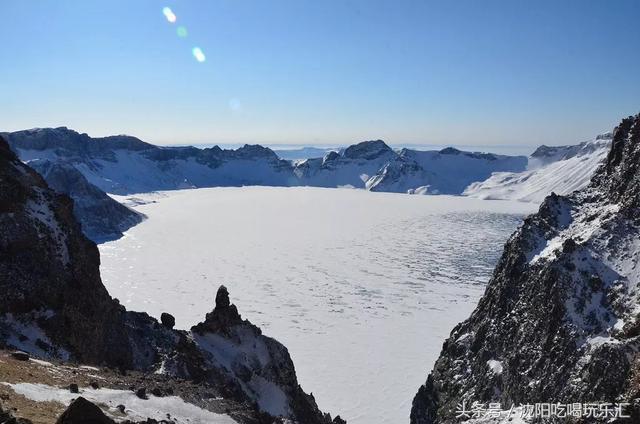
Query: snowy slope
x=447, y=171
x=350, y=168
x=375, y=166
x=124, y=164
x=561, y=170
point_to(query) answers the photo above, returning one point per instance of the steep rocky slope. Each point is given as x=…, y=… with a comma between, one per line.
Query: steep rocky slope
x=54, y=305
x=100, y=217
x=559, y=319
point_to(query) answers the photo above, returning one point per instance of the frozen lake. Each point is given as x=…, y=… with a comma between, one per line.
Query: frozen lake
x=361, y=287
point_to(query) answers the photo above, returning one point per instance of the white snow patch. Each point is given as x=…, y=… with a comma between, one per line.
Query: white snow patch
x=41, y=362
x=24, y=335
x=495, y=366
x=136, y=409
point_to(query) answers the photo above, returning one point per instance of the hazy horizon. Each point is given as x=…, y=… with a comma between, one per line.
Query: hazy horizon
x=321, y=73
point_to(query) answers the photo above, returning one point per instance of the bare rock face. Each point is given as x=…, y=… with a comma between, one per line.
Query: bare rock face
x=53, y=304
x=559, y=319
x=49, y=276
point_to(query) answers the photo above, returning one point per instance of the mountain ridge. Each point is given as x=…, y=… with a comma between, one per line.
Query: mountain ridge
x=558, y=321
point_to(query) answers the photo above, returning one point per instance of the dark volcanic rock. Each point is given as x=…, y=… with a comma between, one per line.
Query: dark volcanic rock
x=558, y=321
x=49, y=271
x=81, y=411
x=224, y=316
x=141, y=393
x=50, y=286
x=20, y=355
x=167, y=320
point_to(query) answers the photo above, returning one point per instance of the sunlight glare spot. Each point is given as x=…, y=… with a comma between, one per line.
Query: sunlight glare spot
x=168, y=13
x=198, y=54
x=182, y=32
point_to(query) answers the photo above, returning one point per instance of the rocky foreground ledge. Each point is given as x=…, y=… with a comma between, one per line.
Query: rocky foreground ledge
x=559, y=321
x=55, y=307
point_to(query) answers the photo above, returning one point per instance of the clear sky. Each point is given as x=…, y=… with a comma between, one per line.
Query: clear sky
x=322, y=71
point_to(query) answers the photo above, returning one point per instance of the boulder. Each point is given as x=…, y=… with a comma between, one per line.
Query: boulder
x=167, y=320
x=81, y=411
x=20, y=355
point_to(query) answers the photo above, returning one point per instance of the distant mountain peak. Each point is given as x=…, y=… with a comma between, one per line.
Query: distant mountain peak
x=450, y=151
x=368, y=150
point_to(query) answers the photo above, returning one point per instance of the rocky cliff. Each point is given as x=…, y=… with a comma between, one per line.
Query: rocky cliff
x=54, y=305
x=559, y=319
x=101, y=217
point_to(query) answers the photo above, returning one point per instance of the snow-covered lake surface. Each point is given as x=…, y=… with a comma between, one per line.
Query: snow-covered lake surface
x=362, y=287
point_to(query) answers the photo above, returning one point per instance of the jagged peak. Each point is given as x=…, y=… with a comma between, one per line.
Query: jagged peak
x=619, y=176
x=224, y=316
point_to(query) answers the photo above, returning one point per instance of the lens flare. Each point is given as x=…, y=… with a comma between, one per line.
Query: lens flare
x=235, y=105
x=168, y=13
x=182, y=32
x=198, y=54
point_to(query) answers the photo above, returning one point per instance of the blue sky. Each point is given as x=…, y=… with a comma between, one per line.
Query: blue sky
x=323, y=71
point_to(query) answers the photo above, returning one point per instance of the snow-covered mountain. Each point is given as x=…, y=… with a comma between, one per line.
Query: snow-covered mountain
x=375, y=166
x=101, y=217
x=302, y=153
x=123, y=164
x=448, y=171
x=550, y=169
x=559, y=320
x=352, y=167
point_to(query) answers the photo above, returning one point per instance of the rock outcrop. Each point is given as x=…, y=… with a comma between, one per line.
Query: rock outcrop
x=559, y=319
x=49, y=274
x=54, y=305
x=260, y=366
